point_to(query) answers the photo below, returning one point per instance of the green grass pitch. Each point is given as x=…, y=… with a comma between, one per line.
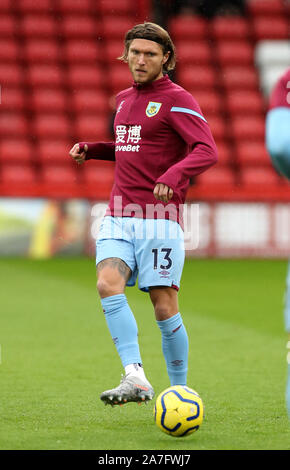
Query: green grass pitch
x=57, y=357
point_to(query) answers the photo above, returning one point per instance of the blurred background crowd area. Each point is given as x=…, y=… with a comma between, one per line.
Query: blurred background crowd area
x=59, y=74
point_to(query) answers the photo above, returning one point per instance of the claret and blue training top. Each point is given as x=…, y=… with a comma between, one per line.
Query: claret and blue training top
x=161, y=136
x=278, y=125
x=280, y=95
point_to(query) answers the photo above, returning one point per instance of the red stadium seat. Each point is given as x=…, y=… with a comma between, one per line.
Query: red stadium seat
x=252, y=154
x=99, y=173
x=226, y=155
x=60, y=175
x=11, y=75
x=244, y=102
x=240, y=78
x=82, y=51
x=74, y=6
x=218, y=127
x=49, y=100
x=230, y=28
x=114, y=27
x=234, y=53
x=270, y=28
x=196, y=77
x=51, y=126
x=8, y=26
x=13, y=99
x=38, y=25
x=90, y=101
x=189, y=27
x=41, y=51
x=86, y=76
x=6, y=6
x=9, y=50
x=89, y=127
x=209, y=101
x=216, y=176
x=259, y=177
x=99, y=179
x=287, y=9
x=117, y=7
x=45, y=76
x=114, y=49
x=13, y=125
x=194, y=52
x=119, y=78
x=33, y=6
x=16, y=150
x=265, y=7
x=17, y=174
x=54, y=152
x=248, y=127
x=79, y=26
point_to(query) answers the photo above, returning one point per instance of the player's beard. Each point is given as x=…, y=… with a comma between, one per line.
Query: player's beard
x=146, y=77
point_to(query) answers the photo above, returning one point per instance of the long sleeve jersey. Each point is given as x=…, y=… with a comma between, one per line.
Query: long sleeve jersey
x=280, y=95
x=278, y=125
x=161, y=136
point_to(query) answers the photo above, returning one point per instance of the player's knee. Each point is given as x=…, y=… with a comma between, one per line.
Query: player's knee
x=165, y=302
x=104, y=287
x=107, y=288
x=163, y=311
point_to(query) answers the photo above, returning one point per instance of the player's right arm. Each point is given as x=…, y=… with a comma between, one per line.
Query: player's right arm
x=83, y=151
x=278, y=139
x=278, y=125
x=77, y=154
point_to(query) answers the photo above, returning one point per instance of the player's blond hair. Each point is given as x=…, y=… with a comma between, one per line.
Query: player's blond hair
x=152, y=32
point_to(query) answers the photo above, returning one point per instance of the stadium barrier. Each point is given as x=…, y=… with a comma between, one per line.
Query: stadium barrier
x=42, y=228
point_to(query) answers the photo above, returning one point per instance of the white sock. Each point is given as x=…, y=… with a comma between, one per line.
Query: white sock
x=136, y=370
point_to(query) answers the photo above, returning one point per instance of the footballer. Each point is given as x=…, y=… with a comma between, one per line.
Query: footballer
x=161, y=141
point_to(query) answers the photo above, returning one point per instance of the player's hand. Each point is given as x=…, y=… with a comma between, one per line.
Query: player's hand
x=78, y=156
x=162, y=192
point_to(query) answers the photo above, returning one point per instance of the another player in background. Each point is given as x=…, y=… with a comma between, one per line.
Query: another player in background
x=161, y=141
x=278, y=145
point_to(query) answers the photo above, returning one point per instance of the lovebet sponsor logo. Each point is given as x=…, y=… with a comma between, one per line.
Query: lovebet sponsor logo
x=127, y=148
x=128, y=138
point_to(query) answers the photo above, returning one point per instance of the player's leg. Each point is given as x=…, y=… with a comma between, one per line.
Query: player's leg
x=113, y=274
x=287, y=327
x=173, y=332
x=160, y=259
x=288, y=378
x=116, y=268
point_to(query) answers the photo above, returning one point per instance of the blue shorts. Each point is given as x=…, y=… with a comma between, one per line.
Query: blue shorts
x=152, y=248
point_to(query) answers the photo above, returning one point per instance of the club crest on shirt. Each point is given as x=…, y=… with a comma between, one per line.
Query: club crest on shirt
x=152, y=108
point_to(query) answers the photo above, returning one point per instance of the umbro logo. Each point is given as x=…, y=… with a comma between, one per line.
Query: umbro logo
x=177, y=362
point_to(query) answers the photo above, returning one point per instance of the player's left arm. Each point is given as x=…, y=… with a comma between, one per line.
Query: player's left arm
x=186, y=118
x=162, y=192
x=277, y=129
x=278, y=139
